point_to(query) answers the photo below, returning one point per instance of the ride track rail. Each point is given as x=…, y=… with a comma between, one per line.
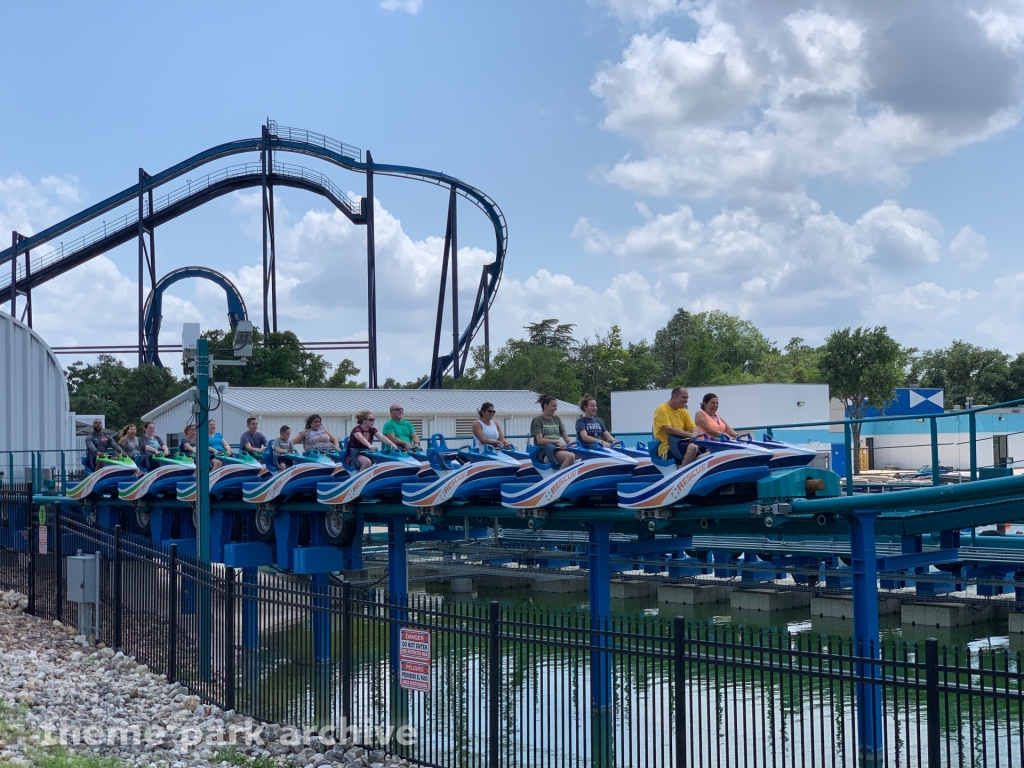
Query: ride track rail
x=194, y=193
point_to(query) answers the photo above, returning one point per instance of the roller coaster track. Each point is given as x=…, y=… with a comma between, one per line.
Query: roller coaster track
x=56, y=260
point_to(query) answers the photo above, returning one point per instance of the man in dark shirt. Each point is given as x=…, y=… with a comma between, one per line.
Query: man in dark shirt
x=98, y=442
x=252, y=441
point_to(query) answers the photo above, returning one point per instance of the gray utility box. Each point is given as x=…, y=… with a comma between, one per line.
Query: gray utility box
x=82, y=579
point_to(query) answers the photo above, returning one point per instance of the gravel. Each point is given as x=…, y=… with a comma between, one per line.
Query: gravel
x=58, y=688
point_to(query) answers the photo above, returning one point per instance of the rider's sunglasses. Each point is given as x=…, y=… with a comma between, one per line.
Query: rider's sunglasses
x=489, y=410
x=369, y=419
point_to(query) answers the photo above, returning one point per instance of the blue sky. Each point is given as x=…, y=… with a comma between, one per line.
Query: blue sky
x=807, y=166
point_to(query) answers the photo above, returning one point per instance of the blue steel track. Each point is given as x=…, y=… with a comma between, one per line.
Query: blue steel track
x=280, y=139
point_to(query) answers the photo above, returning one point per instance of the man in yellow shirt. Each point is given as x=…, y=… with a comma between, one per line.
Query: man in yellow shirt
x=673, y=426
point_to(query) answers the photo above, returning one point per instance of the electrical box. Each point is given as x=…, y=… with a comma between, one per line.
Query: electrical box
x=82, y=584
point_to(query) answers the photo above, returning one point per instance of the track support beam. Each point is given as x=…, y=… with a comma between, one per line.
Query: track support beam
x=371, y=276
x=864, y=562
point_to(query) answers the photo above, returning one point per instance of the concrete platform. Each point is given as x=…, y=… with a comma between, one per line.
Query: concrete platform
x=502, y=581
x=766, y=600
x=627, y=589
x=841, y=606
x=461, y=585
x=693, y=594
x=952, y=614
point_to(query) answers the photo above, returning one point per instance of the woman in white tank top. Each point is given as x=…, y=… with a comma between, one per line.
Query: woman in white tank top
x=486, y=431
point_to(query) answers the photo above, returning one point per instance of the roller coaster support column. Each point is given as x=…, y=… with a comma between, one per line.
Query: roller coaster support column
x=436, y=374
x=269, y=258
x=972, y=424
x=203, y=499
x=147, y=259
x=371, y=276
x=398, y=595
x=453, y=212
x=865, y=633
x=321, y=618
x=599, y=552
x=935, y=450
x=848, y=452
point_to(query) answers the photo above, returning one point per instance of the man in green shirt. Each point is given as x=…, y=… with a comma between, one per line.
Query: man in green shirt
x=401, y=432
x=548, y=429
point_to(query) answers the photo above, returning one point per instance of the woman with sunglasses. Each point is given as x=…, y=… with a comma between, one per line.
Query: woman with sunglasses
x=486, y=430
x=361, y=439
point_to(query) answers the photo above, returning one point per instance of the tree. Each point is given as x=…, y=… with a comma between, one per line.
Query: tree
x=863, y=367
x=796, y=364
x=964, y=370
x=120, y=393
x=670, y=347
x=604, y=365
x=722, y=349
x=551, y=333
x=280, y=362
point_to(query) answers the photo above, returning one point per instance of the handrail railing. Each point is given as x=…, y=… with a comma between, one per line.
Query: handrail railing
x=165, y=201
x=312, y=137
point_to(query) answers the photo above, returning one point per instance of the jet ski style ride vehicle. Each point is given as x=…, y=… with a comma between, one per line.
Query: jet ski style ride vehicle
x=462, y=474
x=384, y=477
x=722, y=462
x=228, y=478
x=306, y=471
x=784, y=455
x=594, y=477
x=110, y=470
x=163, y=477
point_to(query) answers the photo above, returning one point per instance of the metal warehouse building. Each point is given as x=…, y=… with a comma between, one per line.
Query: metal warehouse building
x=445, y=411
x=35, y=409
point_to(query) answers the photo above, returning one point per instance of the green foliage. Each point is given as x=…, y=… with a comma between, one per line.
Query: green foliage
x=670, y=347
x=233, y=756
x=965, y=370
x=863, y=367
x=122, y=394
x=722, y=349
x=281, y=362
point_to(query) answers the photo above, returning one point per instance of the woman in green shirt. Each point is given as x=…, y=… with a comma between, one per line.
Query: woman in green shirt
x=548, y=429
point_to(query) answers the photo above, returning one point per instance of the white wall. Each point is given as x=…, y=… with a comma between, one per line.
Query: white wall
x=34, y=405
x=912, y=451
x=741, y=405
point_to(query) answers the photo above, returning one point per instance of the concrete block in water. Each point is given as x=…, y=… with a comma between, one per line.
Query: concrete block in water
x=627, y=589
x=841, y=606
x=1016, y=623
x=502, y=581
x=561, y=584
x=693, y=594
x=461, y=585
x=768, y=599
x=952, y=614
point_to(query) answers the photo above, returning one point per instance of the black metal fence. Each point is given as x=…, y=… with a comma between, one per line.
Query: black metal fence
x=513, y=686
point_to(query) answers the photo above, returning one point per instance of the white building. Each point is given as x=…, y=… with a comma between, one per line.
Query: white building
x=448, y=412
x=741, y=405
x=35, y=411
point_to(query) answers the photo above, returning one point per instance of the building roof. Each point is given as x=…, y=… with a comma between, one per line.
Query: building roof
x=324, y=400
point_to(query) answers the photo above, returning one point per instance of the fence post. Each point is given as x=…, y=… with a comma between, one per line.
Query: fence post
x=172, y=610
x=346, y=654
x=848, y=449
x=931, y=681
x=935, y=450
x=58, y=555
x=117, y=586
x=494, y=687
x=229, y=638
x=679, y=688
x=33, y=545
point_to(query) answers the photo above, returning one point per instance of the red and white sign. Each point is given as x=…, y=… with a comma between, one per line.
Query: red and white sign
x=414, y=660
x=43, y=533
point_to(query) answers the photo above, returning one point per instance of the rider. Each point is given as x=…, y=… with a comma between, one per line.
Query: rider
x=188, y=443
x=217, y=444
x=151, y=444
x=315, y=438
x=361, y=438
x=400, y=430
x=252, y=441
x=589, y=428
x=487, y=431
x=548, y=429
x=282, y=446
x=673, y=428
x=709, y=422
x=99, y=443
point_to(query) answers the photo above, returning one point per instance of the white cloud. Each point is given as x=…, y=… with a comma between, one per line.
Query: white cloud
x=901, y=239
x=765, y=97
x=969, y=248
x=644, y=11
x=28, y=207
x=411, y=7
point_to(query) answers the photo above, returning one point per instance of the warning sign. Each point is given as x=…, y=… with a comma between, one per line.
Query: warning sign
x=414, y=660
x=42, y=540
